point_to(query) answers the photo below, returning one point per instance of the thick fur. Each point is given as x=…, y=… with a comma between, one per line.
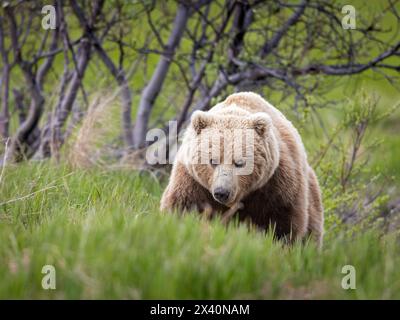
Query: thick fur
x=283, y=193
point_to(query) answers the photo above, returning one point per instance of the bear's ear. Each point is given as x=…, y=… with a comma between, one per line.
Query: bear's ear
x=200, y=120
x=261, y=122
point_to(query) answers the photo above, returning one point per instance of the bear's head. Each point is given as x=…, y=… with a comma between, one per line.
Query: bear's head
x=231, y=156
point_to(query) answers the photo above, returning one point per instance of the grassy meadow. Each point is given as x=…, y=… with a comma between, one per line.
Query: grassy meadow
x=104, y=235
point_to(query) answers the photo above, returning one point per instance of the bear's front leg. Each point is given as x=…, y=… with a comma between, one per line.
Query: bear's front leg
x=183, y=193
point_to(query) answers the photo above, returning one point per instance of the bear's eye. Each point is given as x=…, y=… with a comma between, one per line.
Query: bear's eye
x=213, y=162
x=240, y=163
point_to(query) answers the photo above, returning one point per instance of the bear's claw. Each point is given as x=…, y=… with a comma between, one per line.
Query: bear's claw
x=231, y=211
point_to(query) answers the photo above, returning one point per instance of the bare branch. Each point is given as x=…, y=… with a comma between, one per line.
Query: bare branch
x=154, y=86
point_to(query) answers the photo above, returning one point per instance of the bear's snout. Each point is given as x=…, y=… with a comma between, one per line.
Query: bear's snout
x=221, y=194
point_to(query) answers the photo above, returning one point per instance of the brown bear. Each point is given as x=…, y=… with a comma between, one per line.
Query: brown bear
x=243, y=155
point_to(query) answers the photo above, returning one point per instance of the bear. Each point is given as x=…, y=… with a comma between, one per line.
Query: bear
x=278, y=190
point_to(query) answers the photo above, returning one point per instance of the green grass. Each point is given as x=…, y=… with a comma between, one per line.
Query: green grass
x=104, y=235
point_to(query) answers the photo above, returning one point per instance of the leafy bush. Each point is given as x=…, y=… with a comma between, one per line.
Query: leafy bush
x=352, y=189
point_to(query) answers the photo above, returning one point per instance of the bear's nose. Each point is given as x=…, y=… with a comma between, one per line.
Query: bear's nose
x=221, y=194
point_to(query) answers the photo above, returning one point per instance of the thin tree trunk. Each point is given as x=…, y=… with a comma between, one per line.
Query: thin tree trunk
x=5, y=92
x=202, y=70
x=154, y=86
x=16, y=150
x=118, y=74
x=33, y=140
x=125, y=93
x=18, y=142
x=65, y=106
x=19, y=105
x=5, y=86
x=126, y=101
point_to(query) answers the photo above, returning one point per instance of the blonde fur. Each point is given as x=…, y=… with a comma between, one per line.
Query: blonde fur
x=283, y=191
